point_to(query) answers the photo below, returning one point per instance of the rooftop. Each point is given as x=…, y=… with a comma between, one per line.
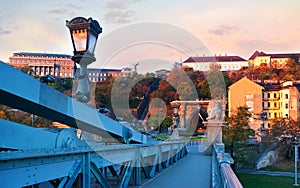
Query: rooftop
x=103, y=70
x=270, y=86
x=214, y=59
x=274, y=55
x=44, y=55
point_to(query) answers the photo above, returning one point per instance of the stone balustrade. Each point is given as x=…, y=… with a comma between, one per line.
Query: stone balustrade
x=222, y=173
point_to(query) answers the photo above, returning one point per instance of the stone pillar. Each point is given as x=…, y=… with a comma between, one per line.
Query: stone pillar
x=214, y=131
x=214, y=134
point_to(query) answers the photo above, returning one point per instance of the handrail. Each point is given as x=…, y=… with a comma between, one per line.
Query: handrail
x=222, y=173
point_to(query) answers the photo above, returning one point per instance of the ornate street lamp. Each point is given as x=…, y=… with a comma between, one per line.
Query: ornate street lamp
x=84, y=35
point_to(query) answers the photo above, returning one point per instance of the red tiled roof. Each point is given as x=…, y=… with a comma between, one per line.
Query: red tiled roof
x=285, y=55
x=213, y=59
x=257, y=53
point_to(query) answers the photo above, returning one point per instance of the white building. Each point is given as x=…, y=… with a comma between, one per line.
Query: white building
x=227, y=63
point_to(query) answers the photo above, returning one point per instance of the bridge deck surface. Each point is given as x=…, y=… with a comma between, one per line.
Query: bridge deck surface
x=192, y=171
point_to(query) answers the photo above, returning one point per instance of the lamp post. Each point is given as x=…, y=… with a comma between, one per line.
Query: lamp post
x=296, y=160
x=263, y=117
x=84, y=34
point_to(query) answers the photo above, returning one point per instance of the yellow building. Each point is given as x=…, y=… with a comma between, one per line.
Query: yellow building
x=275, y=100
x=271, y=104
x=271, y=60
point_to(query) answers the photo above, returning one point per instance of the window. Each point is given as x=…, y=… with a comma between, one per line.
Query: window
x=286, y=96
x=269, y=104
x=269, y=95
x=275, y=96
x=269, y=125
x=275, y=115
x=286, y=105
x=275, y=104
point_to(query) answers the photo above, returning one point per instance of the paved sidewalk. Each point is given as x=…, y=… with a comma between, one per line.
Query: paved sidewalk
x=271, y=173
x=192, y=171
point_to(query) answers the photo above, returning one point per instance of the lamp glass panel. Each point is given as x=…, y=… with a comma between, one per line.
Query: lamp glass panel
x=92, y=43
x=80, y=37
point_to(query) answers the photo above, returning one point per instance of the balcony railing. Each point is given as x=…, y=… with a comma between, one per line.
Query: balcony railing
x=271, y=99
x=271, y=108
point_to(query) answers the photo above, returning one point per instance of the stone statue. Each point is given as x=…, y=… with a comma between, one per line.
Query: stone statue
x=214, y=111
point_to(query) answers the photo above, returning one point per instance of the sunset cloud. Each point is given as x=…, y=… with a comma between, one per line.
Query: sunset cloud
x=119, y=16
x=224, y=30
x=118, y=12
x=4, y=32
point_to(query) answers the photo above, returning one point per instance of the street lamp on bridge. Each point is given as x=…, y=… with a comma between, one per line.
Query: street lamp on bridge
x=84, y=34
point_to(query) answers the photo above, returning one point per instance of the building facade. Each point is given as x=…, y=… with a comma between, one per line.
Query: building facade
x=227, y=63
x=276, y=60
x=41, y=64
x=245, y=93
x=275, y=100
x=100, y=75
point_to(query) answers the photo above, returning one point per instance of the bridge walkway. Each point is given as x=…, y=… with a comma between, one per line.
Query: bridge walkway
x=192, y=171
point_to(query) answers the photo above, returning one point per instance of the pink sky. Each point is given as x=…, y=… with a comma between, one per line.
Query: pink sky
x=224, y=27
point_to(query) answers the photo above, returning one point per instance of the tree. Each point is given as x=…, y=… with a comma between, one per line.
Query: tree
x=236, y=134
x=283, y=132
x=160, y=122
x=166, y=123
x=215, y=80
x=27, y=70
x=103, y=93
x=24, y=118
x=183, y=84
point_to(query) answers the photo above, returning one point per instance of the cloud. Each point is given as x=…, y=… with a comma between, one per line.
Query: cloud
x=119, y=16
x=224, y=30
x=119, y=4
x=59, y=11
x=4, y=32
x=118, y=12
x=74, y=6
x=115, y=4
x=69, y=10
